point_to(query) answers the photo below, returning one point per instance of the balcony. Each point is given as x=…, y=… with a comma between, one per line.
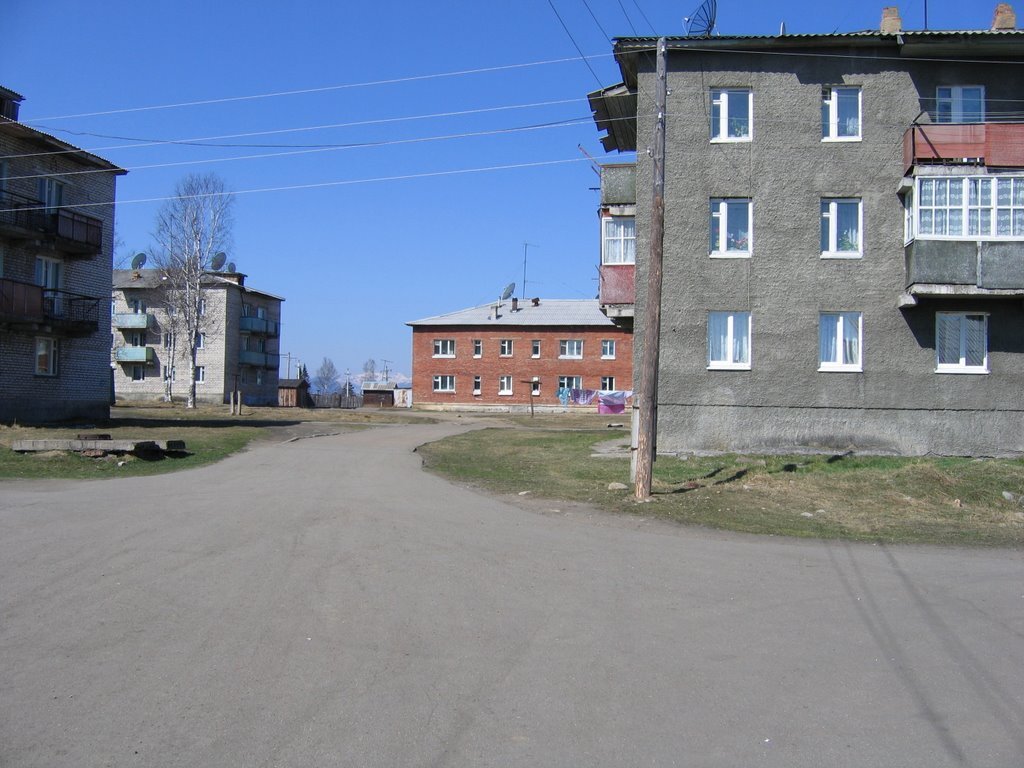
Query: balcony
x=72, y=232
x=991, y=144
x=267, y=360
x=145, y=355
x=617, y=293
x=132, y=320
x=965, y=268
x=29, y=308
x=258, y=325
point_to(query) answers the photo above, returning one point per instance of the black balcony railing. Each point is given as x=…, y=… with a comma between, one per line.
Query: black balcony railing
x=65, y=224
x=24, y=304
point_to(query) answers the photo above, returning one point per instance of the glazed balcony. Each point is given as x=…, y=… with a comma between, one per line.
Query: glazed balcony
x=133, y=321
x=72, y=232
x=617, y=293
x=145, y=355
x=990, y=144
x=28, y=308
x=259, y=325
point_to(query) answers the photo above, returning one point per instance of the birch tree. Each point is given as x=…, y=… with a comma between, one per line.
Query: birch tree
x=191, y=229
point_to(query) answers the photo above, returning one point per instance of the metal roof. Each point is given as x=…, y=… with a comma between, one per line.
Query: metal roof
x=547, y=312
x=150, y=278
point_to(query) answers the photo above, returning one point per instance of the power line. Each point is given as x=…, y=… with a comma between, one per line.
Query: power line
x=330, y=148
x=644, y=16
x=575, y=44
x=628, y=20
x=323, y=89
x=318, y=185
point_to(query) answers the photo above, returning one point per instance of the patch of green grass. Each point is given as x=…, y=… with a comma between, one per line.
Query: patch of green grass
x=863, y=498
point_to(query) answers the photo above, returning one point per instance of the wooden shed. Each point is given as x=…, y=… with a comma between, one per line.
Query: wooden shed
x=379, y=394
x=293, y=393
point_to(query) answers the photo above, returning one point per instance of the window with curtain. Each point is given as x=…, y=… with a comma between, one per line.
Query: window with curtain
x=839, y=341
x=731, y=227
x=961, y=342
x=619, y=240
x=729, y=340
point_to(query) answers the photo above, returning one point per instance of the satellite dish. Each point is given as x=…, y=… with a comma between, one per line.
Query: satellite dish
x=702, y=22
x=508, y=291
x=138, y=261
x=218, y=261
x=231, y=267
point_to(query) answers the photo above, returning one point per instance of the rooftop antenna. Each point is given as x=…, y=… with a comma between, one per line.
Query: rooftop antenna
x=702, y=21
x=385, y=372
x=217, y=263
x=594, y=165
x=522, y=293
x=139, y=261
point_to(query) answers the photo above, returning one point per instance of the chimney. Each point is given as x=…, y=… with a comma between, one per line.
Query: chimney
x=536, y=302
x=515, y=304
x=1004, y=17
x=892, y=24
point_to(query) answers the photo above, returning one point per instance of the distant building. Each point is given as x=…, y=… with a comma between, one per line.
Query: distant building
x=239, y=346
x=56, y=246
x=507, y=355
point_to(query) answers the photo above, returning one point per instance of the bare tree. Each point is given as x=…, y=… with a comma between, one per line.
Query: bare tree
x=191, y=229
x=326, y=378
x=370, y=370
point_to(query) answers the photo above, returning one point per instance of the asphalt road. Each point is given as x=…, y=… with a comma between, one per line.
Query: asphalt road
x=326, y=603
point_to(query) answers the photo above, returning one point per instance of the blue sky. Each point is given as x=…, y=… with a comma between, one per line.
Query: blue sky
x=360, y=250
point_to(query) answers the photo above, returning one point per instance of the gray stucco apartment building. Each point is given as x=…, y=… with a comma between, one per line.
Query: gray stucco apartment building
x=844, y=237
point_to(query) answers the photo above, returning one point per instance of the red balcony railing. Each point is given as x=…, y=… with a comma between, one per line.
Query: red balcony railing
x=617, y=285
x=24, y=304
x=991, y=144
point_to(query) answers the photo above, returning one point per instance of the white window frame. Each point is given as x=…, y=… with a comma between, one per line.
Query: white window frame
x=830, y=228
x=720, y=121
x=830, y=128
x=200, y=374
x=964, y=211
x=506, y=348
x=444, y=382
x=954, y=102
x=200, y=340
x=735, y=361
x=570, y=382
x=719, y=211
x=477, y=383
x=607, y=349
x=618, y=240
x=535, y=348
x=961, y=366
x=50, y=347
x=444, y=348
x=138, y=372
x=170, y=372
x=844, y=364
x=608, y=384
x=478, y=348
x=51, y=193
x=570, y=349
x=505, y=385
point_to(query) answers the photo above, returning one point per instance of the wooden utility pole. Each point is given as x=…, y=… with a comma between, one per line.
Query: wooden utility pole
x=647, y=413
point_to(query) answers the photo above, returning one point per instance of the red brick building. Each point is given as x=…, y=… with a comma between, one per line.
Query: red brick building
x=509, y=354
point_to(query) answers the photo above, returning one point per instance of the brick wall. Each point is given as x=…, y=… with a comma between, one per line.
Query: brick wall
x=521, y=366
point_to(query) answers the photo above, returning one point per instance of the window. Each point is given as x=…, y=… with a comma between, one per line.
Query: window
x=535, y=348
x=168, y=340
x=839, y=341
x=259, y=377
x=202, y=307
x=46, y=356
x=607, y=349
x=138, y=339
x=960, y=104
x=961, y=342
x=840, y=228
x=504, y=385
x=571, y=349
x=478, y=347
x=729, y=340
x=444, y=347
x=731, y=231
x=261, y=313
x=200, y=374
x=840, y=114
x=535, y=387
x=247, y=310
x=970, y=207
x=170, y=373
x=138, y=373
x=505, y=348
x=444, y=383
x=48, y=272
x=732, y=112
x=608, y=383
x=200, y=340
x=570, y=382
x=618, y=243
x=51, y=192
x=476, y=385
x=138, y=306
